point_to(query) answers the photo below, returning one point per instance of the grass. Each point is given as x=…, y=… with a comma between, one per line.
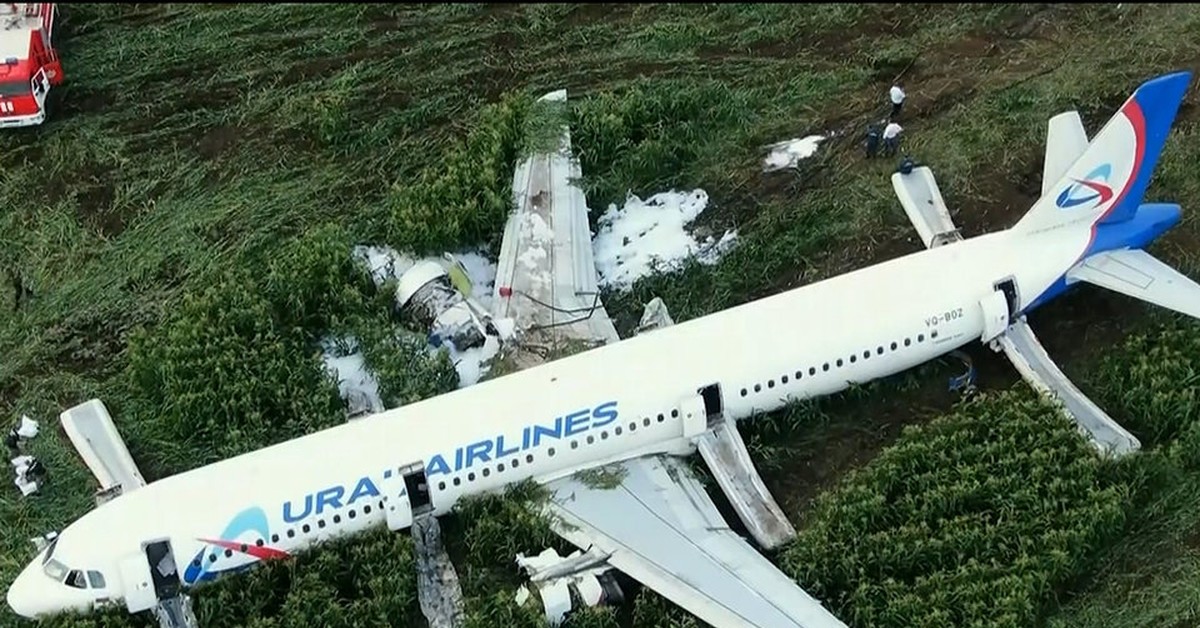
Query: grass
x=195, y=142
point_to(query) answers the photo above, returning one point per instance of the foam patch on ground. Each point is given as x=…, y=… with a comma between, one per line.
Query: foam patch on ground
x=789, y=153
x=650, y=236
x=356, y=383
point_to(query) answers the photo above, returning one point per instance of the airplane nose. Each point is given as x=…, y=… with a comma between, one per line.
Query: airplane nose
x=23, y=595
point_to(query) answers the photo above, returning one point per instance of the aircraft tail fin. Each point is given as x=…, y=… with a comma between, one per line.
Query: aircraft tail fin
x=1106, y=182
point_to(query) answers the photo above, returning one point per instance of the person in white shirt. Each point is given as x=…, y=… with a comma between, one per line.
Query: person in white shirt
x=897, y=97
x=29, y=470
x=891, y=139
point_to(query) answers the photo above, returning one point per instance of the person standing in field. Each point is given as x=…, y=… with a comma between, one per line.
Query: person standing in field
x=872, y=140
x=891, y=139
x=896, y=95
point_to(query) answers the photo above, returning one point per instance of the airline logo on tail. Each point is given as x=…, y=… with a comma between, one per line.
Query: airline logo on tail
x=1093, y=187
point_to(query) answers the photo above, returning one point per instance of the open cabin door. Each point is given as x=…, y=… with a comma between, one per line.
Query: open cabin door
x=701, y=410
x=150, y=576
x=406, y=495
x=135, y=578
x=1000, y=308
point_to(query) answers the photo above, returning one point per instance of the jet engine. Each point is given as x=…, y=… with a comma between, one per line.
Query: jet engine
x=427, y=297
x=561, y=581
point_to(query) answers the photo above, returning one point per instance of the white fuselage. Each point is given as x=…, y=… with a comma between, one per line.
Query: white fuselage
x=611, y=403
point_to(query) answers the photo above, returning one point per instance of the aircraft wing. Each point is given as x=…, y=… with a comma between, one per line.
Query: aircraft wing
x=1138, y=274
x=546, y=274
x=657, y=524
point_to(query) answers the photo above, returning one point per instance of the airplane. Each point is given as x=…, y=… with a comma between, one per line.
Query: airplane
x=640, y=404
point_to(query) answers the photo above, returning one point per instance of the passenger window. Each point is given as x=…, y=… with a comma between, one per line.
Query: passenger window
x=783, y=380
x=770, y=383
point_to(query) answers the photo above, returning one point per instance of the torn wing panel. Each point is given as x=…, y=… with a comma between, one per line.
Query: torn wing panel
x=661, y=528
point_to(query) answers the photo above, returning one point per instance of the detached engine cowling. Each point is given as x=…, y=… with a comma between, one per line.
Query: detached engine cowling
x=426, y=295
x=564, y=583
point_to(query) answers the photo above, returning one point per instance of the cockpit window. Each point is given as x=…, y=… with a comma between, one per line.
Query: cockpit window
x=75, y=579
x=50, y=550
x=96, y=579
x=55, y=569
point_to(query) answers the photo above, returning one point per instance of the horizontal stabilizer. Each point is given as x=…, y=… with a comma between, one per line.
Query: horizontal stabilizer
x=1138, y=274
x=1065, y=142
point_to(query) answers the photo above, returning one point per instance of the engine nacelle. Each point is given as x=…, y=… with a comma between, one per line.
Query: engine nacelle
x=562, y=580
x=426, y=295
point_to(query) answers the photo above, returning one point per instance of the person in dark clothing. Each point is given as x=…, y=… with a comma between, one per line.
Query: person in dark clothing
x=12, y=441
x=872, y=141
x=20, y=290
x=906, y=165
x=36, y=470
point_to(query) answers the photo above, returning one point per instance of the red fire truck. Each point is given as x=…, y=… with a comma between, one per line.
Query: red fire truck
x=29, y=65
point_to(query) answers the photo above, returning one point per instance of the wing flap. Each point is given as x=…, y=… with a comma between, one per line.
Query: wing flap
x=1138, y=274
x=661, y=528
